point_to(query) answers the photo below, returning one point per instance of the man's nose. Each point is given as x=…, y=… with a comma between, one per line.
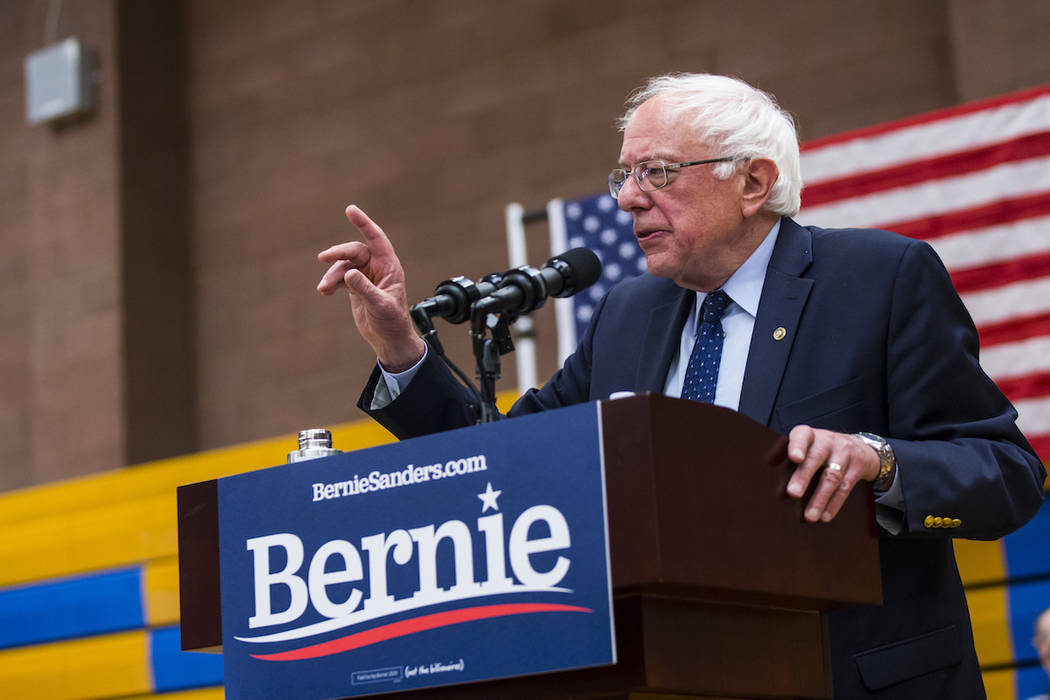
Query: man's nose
x=632, y=196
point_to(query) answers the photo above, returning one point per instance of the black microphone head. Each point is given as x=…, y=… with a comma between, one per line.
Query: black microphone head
x=580, y=267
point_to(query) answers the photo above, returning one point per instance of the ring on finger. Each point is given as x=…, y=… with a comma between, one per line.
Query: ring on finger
x=835, y=467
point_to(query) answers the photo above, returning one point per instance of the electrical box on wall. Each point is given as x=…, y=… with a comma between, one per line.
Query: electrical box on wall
x=58, y=82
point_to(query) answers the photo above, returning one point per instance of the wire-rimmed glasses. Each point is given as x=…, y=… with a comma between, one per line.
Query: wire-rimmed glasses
x=652, y=174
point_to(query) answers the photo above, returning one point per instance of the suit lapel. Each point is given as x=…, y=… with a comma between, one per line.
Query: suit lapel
x=784, y=295
x=661, y=338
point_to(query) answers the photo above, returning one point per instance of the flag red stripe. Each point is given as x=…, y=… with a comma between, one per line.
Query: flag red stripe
x=1002, y=212
x=1041, y=444
x=413, y=625
x=1028, y=386
x=998, y=274
x=927, y=117
x=1014, y=330
x=927, y=169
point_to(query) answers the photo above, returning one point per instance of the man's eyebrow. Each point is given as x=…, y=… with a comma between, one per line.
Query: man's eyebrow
x=643, y=159
x=652, y=155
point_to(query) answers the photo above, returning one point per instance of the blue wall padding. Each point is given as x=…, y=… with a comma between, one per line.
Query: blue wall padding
x=1028, y=556
x=1031, y=682
x=1026, y=601
x=1028, y=549
x=174, y=669
x=74, y=607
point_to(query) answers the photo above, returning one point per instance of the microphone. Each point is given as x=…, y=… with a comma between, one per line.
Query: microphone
x=520, y=291
x=515, y=292
x=453, y=298
x=525, y=289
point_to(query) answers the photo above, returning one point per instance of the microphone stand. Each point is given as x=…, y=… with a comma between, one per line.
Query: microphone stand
x=519, y=291
x=421, y=317
x=487, y=352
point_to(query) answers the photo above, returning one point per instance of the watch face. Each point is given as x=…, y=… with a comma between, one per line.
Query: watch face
x=872, y=439
x=886, y=458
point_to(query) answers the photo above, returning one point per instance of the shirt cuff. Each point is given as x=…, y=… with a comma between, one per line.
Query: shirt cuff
x=394, y=383
x=890, y=511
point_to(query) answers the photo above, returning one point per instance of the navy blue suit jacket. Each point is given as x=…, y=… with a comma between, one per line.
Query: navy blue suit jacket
x=875, y=339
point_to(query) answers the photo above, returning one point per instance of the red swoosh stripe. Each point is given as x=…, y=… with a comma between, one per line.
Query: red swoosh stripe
x=416, y=624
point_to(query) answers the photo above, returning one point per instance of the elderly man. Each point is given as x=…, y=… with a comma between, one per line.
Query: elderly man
x=852, y=342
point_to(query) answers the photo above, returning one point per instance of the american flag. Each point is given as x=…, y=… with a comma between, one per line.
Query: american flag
x=597, y=223
x=972, y=180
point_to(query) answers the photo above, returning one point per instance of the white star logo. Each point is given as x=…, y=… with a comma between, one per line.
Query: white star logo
x=488, y=499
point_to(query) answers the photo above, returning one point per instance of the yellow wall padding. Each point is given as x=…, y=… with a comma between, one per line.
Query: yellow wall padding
x=87, y=539
x=160, y=595
x=164, y=475
x=988, y=615
x=128, y=516
x=96, y=667
x=982, y=566
x=215, y=693
x=1000, y=684
x=980, y=562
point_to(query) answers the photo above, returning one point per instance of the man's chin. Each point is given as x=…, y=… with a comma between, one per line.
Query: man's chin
x=657, y=266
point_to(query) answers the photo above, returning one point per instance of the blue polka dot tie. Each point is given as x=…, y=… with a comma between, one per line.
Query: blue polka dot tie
x=701, y=376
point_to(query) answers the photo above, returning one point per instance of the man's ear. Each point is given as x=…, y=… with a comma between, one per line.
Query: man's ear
x=760, y=174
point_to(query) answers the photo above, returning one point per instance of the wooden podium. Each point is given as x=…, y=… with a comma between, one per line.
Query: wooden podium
x=720, y=587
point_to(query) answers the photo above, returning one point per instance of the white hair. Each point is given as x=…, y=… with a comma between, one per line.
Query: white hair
x=737, y=119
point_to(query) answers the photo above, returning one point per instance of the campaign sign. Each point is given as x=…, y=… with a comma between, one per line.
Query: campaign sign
x=463, y=556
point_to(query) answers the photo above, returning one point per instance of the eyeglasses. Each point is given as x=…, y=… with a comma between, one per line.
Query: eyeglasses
x=652, y=174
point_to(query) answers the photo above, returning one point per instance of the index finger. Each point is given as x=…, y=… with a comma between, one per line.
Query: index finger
x=376, y=241
x=803, y=451
x=800, y=439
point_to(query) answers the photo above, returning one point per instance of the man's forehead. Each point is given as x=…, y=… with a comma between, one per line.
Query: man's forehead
x=664, y=154
x=653, y=134
x=670, y=149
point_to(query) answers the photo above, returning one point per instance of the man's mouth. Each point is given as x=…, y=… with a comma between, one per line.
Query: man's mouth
x=642, y=235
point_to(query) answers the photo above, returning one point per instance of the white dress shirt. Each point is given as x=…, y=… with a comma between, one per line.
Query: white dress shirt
x=744, y=287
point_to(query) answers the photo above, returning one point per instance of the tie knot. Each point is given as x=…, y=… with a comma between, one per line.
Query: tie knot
x=715, y=305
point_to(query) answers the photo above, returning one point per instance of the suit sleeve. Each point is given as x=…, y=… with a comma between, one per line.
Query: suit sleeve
x=960, y=454
x=432, y=402
x=435, y=401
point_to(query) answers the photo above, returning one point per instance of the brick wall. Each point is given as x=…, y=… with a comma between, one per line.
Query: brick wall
x=431, y=115
x=60, y=355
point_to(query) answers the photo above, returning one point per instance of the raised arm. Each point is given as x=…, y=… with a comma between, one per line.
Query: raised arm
x=372, y=275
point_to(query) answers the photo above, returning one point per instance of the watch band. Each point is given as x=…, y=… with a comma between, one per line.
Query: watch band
x=887, y=460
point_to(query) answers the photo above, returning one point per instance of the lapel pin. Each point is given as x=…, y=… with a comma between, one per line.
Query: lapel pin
x=779, y=333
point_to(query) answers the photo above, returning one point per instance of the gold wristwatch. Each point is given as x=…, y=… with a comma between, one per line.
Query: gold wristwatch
x=887, y=460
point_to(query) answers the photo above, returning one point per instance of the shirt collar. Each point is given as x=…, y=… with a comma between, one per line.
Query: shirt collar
x=744, y=287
